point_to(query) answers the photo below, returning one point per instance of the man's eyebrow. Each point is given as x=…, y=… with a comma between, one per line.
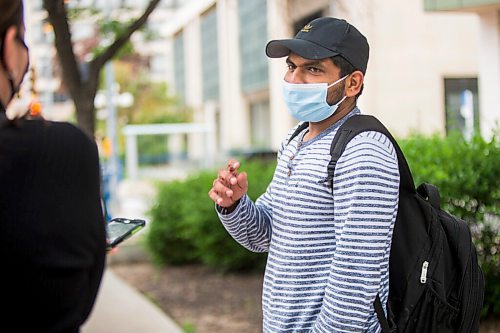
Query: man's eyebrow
x=314, y=63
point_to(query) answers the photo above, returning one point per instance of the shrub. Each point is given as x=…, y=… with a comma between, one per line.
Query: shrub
x=167, y=240
x=185, y=227
x=468, y=177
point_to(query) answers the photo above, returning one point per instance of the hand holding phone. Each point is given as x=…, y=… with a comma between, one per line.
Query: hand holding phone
x=119, y=229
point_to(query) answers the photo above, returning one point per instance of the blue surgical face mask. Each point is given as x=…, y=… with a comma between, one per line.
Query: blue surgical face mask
x=307, y=102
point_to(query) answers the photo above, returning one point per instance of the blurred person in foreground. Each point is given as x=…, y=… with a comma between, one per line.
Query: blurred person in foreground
x=52, y=231
x=328, y=248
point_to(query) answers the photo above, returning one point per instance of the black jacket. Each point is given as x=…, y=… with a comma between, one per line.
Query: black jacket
x=52, y=231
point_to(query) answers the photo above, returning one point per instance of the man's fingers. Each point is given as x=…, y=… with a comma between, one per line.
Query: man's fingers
x=228, y=175
x=215, y=197
x=221, y=190
x=225, y=177
x=223, y=187
x=220, y=200
x=232, y=166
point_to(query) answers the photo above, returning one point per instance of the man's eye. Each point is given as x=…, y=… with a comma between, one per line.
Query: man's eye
x=314, y=70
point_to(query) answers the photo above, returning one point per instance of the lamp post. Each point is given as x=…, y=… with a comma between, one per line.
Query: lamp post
x=106, y=102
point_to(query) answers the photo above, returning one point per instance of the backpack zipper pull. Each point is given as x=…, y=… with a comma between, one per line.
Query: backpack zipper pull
x=423, y=275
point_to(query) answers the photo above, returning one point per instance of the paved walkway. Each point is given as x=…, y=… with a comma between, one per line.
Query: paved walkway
x=119, y=307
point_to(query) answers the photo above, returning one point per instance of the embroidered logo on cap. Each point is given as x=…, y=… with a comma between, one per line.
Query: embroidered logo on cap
x=306, y=28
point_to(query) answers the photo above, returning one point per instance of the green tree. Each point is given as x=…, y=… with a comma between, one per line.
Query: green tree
x=82, y=88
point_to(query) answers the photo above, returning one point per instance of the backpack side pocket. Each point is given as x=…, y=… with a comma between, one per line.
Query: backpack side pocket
x=433, y=314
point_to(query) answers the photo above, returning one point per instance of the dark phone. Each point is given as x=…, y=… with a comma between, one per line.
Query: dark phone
x=119, y=229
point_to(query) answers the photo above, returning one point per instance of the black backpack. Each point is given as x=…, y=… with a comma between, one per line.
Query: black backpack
x=435, y=282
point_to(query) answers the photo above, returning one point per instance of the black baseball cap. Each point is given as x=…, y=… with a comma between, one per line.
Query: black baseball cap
x=325, y=37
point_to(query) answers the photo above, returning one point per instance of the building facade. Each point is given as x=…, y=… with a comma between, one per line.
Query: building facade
x=488, y=12
x=424, y=70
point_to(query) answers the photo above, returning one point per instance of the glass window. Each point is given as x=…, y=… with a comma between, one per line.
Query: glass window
x=252, y=40
x=179, y=69
x=461, y=105
x=210, y=56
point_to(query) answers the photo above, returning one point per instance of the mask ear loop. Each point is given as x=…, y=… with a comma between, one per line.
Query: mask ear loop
x=339, y=80
x=334, y=83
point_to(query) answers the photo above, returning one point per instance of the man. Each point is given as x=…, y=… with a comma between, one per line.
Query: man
x=328, y=247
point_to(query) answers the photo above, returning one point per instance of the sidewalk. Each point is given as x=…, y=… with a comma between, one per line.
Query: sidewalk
x=119, y=307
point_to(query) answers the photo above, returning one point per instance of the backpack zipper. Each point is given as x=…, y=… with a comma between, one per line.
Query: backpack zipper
x=423, y=274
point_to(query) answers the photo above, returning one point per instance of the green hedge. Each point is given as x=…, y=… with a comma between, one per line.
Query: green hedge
x=185, y=227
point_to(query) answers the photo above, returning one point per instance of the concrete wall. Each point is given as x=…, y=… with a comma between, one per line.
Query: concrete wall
x=489, y=77
x=411, y=53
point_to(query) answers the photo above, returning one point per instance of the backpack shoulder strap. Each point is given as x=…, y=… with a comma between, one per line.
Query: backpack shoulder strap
x=384, y=324
x=299, y=129
x=363, y=123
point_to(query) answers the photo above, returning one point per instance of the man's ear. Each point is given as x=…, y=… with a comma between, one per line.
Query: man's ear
x=354, y=82
x=9, y=50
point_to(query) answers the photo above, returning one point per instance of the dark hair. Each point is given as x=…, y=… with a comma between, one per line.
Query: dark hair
x=346, y=68
x=11, y=13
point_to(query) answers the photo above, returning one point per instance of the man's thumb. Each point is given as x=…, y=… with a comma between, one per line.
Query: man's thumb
x=242, y=181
